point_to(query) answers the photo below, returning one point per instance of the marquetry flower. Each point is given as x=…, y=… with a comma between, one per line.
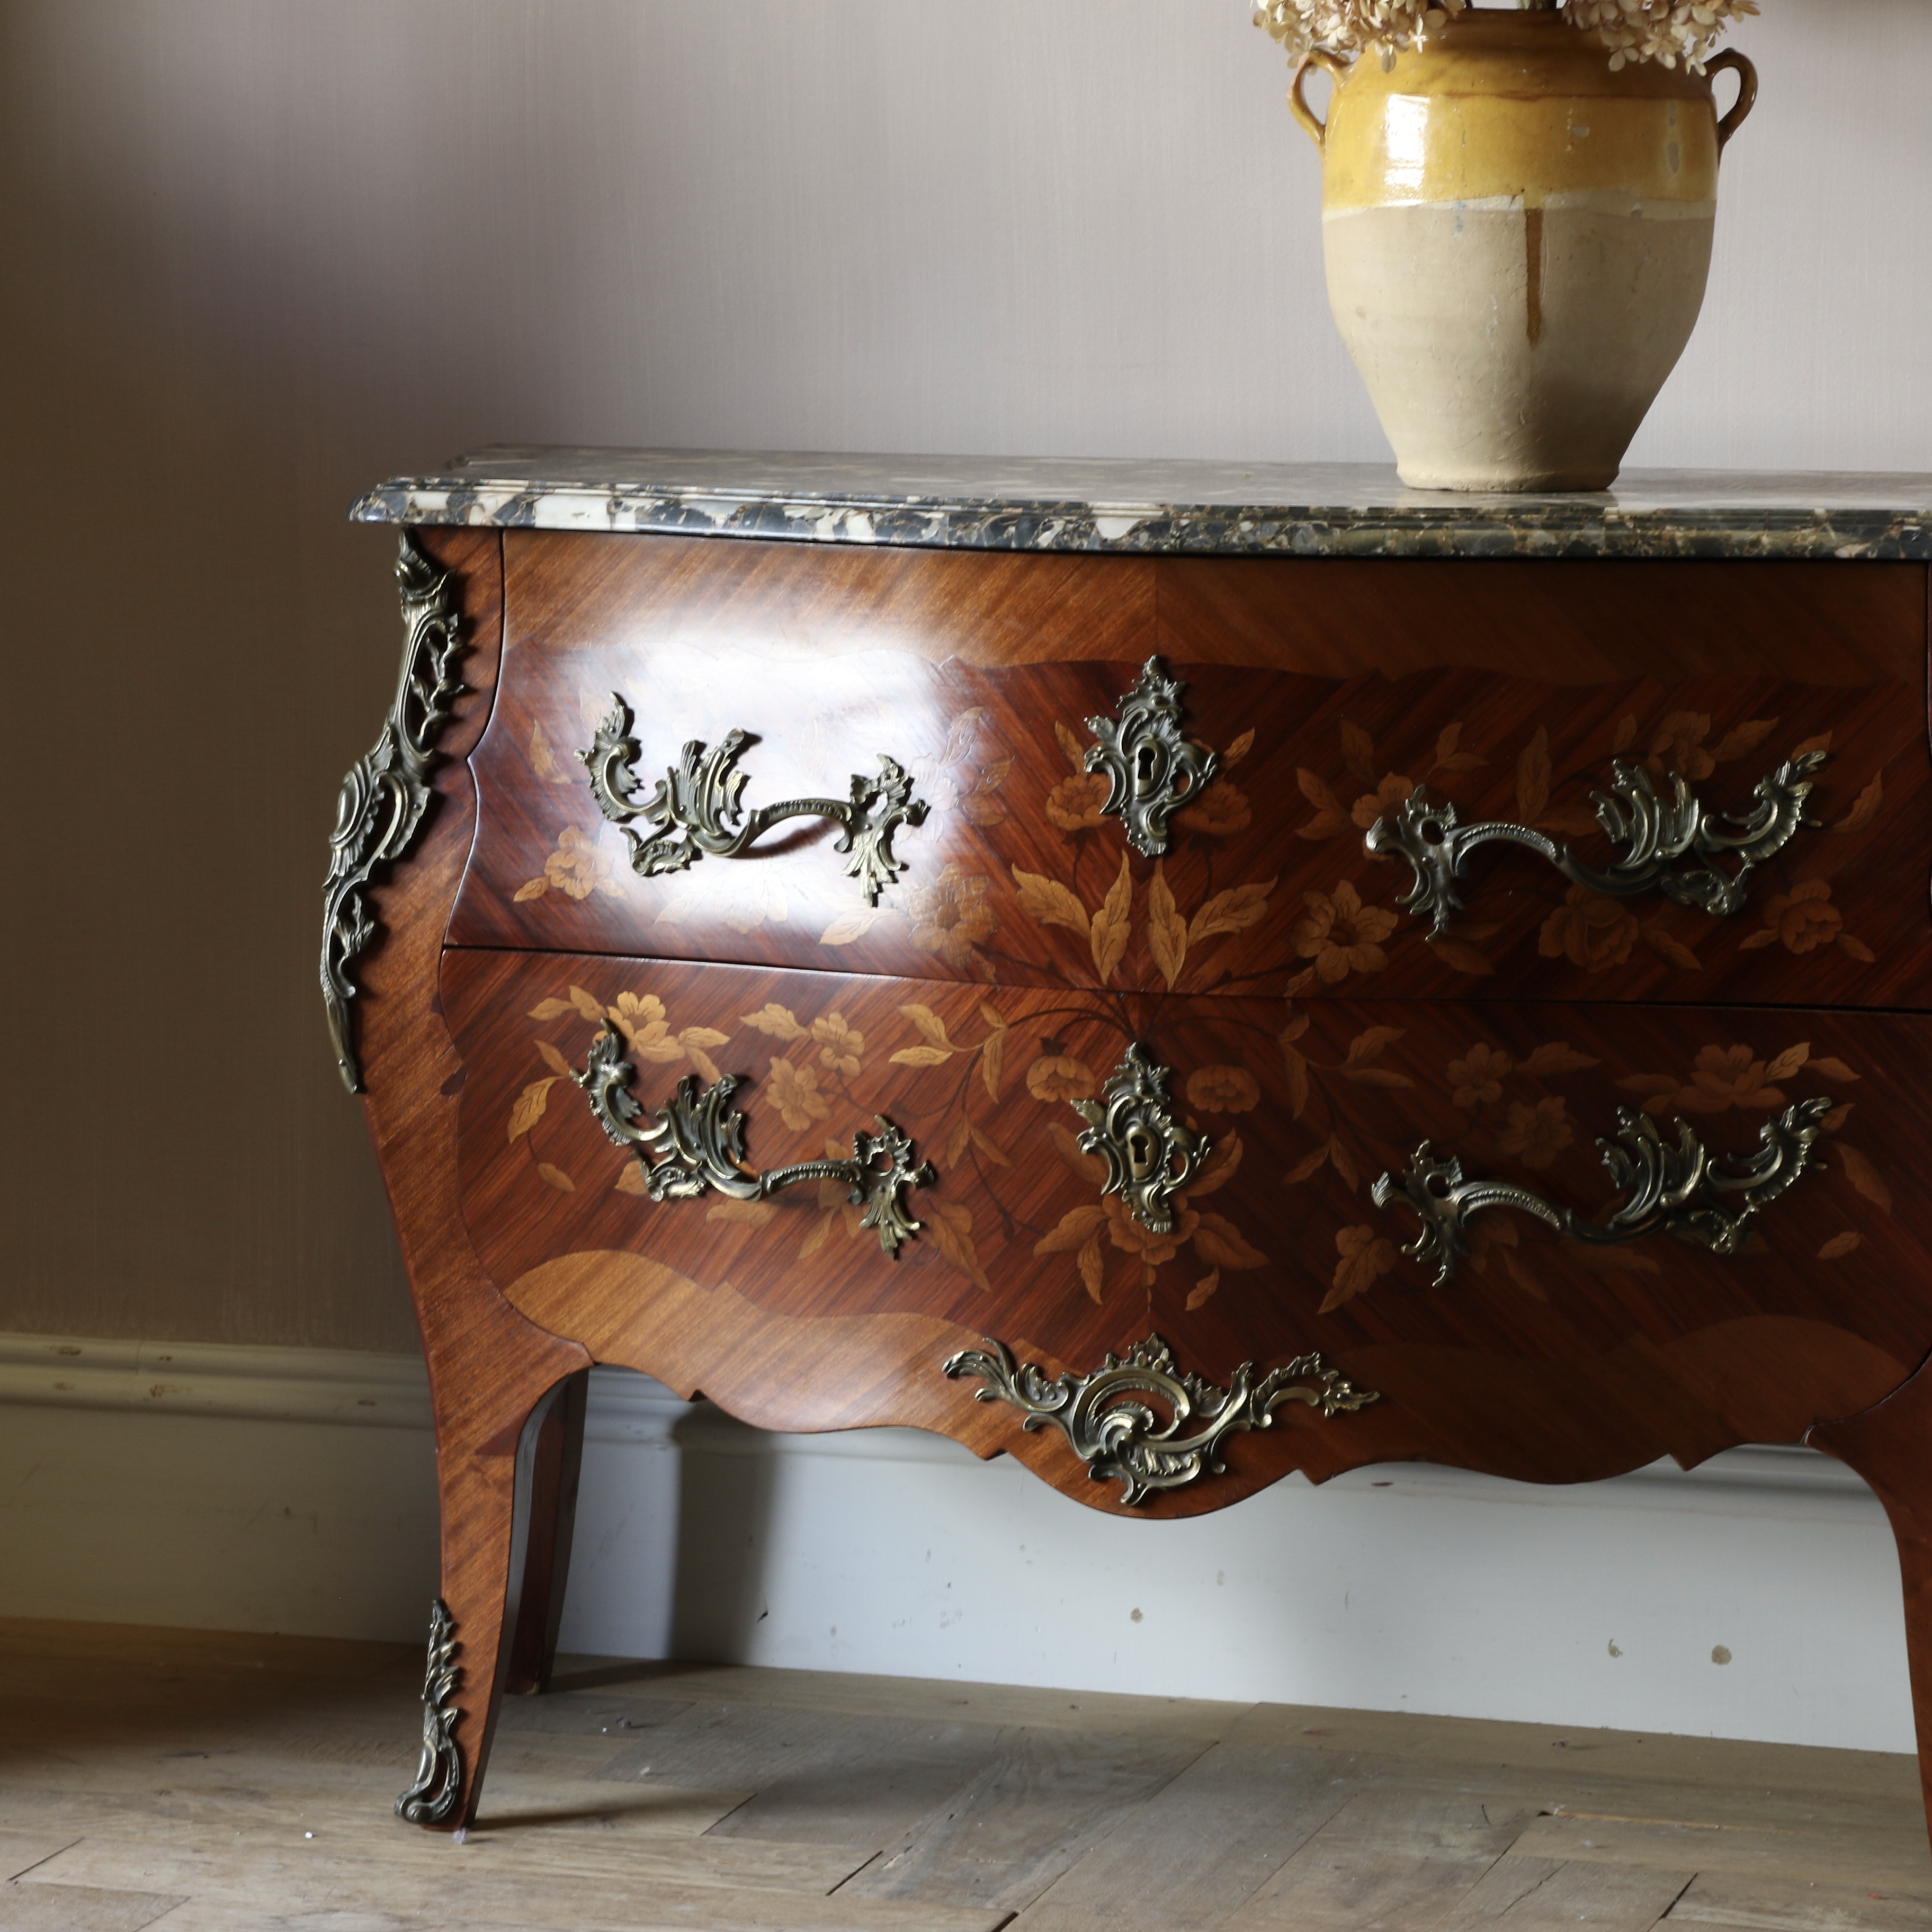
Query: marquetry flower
x=1365, y=1256
x=578, y=867
x=794, y=1092
x=1537, y=1135
x=1341, y=934
x=640, y=1018
x=1059, y=1076
x=1223, y=1090
x=1590, y=930
x=1222, y=810
x=1391, y=795
x=951, y=916
x=1074, y=804
x=839, y=1045
x=1478, y=1079
x=1679, y=746
x=1727, y=1077
x=1131, y=1238
x=1803, y=919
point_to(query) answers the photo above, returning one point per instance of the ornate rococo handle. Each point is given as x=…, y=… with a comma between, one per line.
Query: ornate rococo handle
x=1151, y=1156
x=696, y=807
x=1672, y=844
x=1677, y=1189
x=1107, y=1419
x=387, y=791
x=1152, y=770
x=696, y=1145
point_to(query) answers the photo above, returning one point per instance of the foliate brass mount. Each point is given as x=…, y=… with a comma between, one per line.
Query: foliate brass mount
x=1152, y=770
x=695, y=1145
x=696, y=807
x=432, y=1799
x=1107, y=1416
x=1672, y=844
x=1677, y=1189
x=1150, y=1156
x=387, y=791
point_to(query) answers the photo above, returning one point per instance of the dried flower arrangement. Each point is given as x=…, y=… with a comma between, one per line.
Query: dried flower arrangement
x=1666, y=30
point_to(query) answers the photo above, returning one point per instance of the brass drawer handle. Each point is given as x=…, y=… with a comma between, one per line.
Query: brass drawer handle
x=1672, y=844
x=1152, y=771
x=695, y=807
x=1673, y=1190
x=1107, y=1421
x=696, y=1145
x=1150, y=1156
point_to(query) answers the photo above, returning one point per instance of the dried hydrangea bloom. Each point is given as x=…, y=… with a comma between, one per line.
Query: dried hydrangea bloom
x=1665, y=30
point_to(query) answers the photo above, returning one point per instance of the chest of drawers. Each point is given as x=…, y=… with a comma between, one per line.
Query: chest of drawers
x=1178, y=977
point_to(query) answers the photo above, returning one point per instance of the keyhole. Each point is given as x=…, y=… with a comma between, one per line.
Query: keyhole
x=1140, y=1154
x=1145, y=764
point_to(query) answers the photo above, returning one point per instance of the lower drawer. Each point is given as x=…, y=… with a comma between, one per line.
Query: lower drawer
x=1529, y=1337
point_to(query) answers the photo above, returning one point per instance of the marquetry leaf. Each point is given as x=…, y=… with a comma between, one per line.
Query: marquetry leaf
x=1743, y=738
x=1217, y=1239
x=1672, y=952
x=1450, y=756
x=1460, y=957
x=1626, y=734
x=1376, y=1076
x=922, y=1056
x=751, y=1213
x=1113, y=923
x=592, y=1009
x=556, y=1177
x=1296, y=1068
x=993, y=1062
x=958, y=1142
x=1833, y=1069
x=931, y=1028
x=779, y=1022
x=1076, y=1224
x=1837, y=1116
x=979, y=807
x=1203, y=1290
x=1865, y=1177
x=1368, y=1047
x=817, y=1239
x=1092, y=1265
x=531, y=889
x=531, y=1103
x=951, y=1227
x=1074, y=752
x=959, y=737
x=550, y=1010
x=1223, y=1161
x=1167, y=931
x=1237, y=751
x=1331, y=817
x=631, y=1180
x=1822, y=742
x=1614, y=1261
x=1358, y=752
x=1839, y=1245
x=1307, y=1170
x=1049, y=903
x=1532, y=777
x=1232, y=911
x=1345, y=1164
x=852, y=925
x=990, y=1148
x=1857, y=948
x=1756, y=941
x=1556, y=1056
x=1862, y=814
x=1787, y=1063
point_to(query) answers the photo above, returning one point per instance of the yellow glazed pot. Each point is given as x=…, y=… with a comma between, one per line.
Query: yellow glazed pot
x=1517, y=243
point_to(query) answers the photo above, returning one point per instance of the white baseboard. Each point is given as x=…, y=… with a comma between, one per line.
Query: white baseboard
x=291, y=1489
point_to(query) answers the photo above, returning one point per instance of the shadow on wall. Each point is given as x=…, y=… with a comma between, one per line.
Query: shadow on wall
x=727, y=1501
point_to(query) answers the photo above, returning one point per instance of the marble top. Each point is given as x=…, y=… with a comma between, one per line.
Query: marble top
x=1316, y=509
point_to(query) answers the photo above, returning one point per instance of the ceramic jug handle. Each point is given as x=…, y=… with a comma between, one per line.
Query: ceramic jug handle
x=1337, y=69
x=1747, y=98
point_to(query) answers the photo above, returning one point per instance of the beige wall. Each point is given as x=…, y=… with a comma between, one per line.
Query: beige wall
x=258, y=255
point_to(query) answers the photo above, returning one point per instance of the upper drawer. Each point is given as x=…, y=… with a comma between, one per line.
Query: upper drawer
x=1508, y=694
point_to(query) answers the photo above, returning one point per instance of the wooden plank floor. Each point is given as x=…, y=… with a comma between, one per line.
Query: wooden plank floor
x=205, y=1782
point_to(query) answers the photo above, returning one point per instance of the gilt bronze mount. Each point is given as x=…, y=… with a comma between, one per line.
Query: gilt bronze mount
x=1670, y=843
x=697, y=807
x=1151, y=1156
x=1111, y=1420
x=1152, y=770
x=1676, y=1188
x=695, y=1144
x=432, y=1799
